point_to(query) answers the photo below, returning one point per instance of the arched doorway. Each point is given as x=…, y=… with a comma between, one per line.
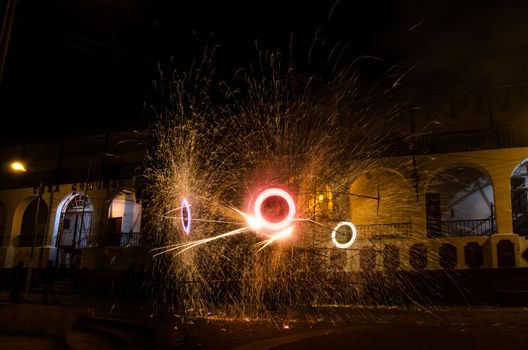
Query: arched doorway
x=459, y=202
x=519, y=198
x=74, y=228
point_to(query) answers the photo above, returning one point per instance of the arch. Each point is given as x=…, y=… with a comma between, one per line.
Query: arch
x=418, y=256
x=505, y=253
x=447, y=254
x=519, y=198
x=474, y=255
x=367, y=259
x=459, y=201
x=391, y=257
x=33, y=225
x=21, y=210
x=73, y=221
x=381, y=203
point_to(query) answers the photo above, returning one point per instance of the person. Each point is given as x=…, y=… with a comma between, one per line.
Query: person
x=48, y=281
x=18, y=274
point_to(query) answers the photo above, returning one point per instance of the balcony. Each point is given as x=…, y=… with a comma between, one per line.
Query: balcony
x=468, y=140
x=129, y=239
x=461, y=228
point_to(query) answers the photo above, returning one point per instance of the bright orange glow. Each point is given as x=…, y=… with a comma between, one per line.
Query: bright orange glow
x=18, y=167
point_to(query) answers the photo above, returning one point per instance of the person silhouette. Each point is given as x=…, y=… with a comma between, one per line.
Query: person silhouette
x=18, y=274
x=49, y=276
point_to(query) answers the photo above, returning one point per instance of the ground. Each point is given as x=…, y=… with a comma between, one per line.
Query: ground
x=358, y=327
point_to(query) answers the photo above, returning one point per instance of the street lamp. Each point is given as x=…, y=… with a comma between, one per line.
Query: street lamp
x=19, y=167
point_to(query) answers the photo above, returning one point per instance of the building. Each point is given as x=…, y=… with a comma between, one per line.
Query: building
x=76, y=203
x=454, y=198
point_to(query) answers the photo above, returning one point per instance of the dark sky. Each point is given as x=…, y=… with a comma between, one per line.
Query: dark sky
x=77, y=66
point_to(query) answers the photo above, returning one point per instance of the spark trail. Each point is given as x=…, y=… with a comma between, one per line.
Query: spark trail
x=223, y=141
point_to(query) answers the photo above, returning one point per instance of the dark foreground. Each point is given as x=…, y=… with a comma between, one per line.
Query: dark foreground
x=370, y=328
x=91, y=324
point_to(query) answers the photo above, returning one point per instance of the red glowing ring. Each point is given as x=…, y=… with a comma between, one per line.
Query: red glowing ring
x=186, y=221
x=267, y=194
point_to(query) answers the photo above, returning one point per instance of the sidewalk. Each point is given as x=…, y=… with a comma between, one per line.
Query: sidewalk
x=75, y=323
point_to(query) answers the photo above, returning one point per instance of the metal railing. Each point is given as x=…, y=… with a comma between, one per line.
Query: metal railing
x=66, y=239
x=482, y=227
x=385, y=231
x=467, y=140
x=129, y=239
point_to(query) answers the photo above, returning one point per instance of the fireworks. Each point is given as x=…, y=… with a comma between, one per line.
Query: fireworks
x=256, y=246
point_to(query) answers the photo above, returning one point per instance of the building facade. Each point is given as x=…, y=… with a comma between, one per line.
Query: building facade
x=76, y=203
x=455, y=197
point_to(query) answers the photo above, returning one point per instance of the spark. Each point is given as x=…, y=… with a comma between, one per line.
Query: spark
x=189, y=245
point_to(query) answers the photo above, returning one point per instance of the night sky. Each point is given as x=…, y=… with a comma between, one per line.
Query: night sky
x=80, y=66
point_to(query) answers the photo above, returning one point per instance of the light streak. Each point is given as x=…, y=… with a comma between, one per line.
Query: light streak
x=279, y=235
x=189, y=245
x=349, y=242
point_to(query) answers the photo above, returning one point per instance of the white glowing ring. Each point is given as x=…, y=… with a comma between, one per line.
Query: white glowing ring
x=352, y=239
x=274, y=226
x=186, y=225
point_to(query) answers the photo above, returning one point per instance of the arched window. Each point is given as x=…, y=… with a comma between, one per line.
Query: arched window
x=36, y=213
x=459, y=202
x=381, y=205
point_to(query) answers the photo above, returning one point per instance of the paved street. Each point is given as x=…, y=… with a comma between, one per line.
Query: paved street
x=370, y=328
x=325, y=328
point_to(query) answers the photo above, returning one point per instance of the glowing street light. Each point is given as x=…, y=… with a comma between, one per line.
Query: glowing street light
x=18, y=167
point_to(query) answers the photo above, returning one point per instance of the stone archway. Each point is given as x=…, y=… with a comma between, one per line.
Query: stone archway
x=459, y=201
x=382, y=204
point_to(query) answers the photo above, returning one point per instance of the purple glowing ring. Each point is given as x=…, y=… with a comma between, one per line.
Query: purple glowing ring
x=186, y=221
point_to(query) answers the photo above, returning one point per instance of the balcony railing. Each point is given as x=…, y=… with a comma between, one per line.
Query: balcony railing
x=129, y=239
x=482, y=227
x=385, y=231
x=468, y=140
